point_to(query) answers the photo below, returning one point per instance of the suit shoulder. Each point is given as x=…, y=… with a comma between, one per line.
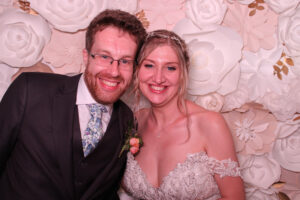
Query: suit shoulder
x=124, y=107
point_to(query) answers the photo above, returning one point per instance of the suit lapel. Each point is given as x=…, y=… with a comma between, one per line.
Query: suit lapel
x=63, y=118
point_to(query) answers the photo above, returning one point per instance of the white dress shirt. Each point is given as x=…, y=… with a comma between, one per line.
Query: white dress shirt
x=82, y=99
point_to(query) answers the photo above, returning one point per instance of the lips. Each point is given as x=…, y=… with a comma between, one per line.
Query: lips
x=109, y=85
x=157, y=89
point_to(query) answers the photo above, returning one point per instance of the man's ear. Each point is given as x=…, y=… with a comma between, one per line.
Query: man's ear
x=85, y=55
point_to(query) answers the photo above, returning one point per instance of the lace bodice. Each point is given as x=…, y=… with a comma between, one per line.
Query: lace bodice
x=192, y=179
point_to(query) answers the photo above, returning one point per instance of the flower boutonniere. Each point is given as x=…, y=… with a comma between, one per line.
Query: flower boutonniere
x=133, y=142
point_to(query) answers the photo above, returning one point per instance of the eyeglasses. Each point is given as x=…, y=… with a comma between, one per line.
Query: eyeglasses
x=105, y=60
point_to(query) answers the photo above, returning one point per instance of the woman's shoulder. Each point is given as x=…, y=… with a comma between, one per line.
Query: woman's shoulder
x=205, y=120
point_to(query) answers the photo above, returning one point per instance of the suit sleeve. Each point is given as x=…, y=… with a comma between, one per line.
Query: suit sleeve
x=11, y=112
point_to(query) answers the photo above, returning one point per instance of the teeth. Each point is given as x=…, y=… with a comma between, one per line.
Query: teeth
x=111, y=84
x=157, y=88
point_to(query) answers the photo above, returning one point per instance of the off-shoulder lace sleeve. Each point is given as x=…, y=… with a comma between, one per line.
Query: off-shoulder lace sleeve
x=226, y=167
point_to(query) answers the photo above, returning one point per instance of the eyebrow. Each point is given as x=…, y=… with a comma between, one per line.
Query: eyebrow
x=100, y=51
x=172, y=62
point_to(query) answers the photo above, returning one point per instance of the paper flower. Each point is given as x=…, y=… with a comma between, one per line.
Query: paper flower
x=214, y=58
x=241, y=1
x=257, y=69
x=255, y=193
x=257, y=31
x=281, y=106
x=236, y=98
x=6, y=3
x=282, y=7
x=206, y=15
x=23, y=37
x=6, y=73
x=128, y=5
x=162, y=14
x=289, y=33
x=64, y=52
x=69, y=16
x=259, y=171
x=213, y=101
x=286, y=149
x=253, y=131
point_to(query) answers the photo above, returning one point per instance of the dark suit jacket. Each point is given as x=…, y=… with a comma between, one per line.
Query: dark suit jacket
x=36, y=142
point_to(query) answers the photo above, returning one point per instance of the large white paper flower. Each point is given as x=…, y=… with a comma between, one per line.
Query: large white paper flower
x=206, y=14
x=6, y=72
x=213, y=101
x=6, y=2
x=257, y=69
x=259, y=171
x=128, y=5
x=253, y=131
x=22, y=38
x=280, y=6
x=237, y=98
x=69, y=16
x=289, y=33
x=255, y=193
x=281, y=106
x=214, y=58
x=241, y=1
x=286, y=149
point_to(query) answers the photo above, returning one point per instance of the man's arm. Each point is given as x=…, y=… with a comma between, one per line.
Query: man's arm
x=12, y=108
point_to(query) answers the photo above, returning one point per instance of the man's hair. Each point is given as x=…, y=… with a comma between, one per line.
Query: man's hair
x=120, y=19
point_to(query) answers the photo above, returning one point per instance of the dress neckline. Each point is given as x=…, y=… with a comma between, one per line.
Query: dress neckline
x=178, y=165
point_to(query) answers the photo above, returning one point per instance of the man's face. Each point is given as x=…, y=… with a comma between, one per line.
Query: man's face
x=106, y=79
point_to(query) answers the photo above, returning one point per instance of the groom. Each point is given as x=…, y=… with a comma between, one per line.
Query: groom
x=60, y=137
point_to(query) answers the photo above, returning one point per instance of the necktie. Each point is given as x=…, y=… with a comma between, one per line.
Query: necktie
x=94, y=132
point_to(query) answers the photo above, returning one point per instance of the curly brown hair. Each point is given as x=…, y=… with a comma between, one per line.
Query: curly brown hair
x=120, y=19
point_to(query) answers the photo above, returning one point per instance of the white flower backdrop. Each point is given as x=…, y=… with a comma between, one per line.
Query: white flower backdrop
x=245, y=63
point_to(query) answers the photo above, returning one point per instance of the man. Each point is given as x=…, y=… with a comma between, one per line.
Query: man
x=61, y=137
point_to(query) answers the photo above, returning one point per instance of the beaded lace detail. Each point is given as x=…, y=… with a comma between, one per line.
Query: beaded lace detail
x=192, y=179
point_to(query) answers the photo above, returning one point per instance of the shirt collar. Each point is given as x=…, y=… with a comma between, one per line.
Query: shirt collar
x=84, y=96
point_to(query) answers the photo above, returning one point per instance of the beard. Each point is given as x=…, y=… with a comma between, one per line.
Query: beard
x=98, y=93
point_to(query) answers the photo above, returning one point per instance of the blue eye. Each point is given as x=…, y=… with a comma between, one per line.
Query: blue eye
x=148, y=65
x=171, y=68
x=124, y=61
x=102, y=56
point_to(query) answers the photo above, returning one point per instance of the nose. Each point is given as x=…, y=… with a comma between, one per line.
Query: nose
x=159, y=76
x=114, y=68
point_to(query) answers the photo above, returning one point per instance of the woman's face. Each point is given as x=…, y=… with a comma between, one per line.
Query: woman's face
x=159, y=76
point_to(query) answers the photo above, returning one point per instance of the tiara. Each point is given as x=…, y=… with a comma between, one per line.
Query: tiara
x=159, y=35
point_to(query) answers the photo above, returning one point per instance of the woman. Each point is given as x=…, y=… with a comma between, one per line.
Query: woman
x=188, y=152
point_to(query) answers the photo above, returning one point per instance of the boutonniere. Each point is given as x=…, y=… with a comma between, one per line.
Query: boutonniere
x=133, y=142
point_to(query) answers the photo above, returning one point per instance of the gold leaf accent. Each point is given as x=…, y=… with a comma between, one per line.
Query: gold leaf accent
x=285, y=69
x=278, y=184
x=279, y=76
x=297, y=118
x=283, y=196
x=279, y=62
x=25, y=5
x=142, y=17
x=289, y=61
x=252, y=12
x=260, y=1
x=277, y=69
x=252, y=5
x=283, y=54
x=260, y=7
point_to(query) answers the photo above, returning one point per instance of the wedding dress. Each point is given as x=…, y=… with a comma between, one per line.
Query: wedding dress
x=191, y=180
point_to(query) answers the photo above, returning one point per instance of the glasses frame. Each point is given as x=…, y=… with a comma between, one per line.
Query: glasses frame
x=93, y=55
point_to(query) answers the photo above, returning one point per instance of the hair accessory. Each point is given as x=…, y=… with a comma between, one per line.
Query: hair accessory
x=159, y=35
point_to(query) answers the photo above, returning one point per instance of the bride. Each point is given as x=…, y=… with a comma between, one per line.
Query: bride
x=188, y=152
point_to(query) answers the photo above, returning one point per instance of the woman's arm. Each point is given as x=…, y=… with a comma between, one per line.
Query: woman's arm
x=221, y=147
